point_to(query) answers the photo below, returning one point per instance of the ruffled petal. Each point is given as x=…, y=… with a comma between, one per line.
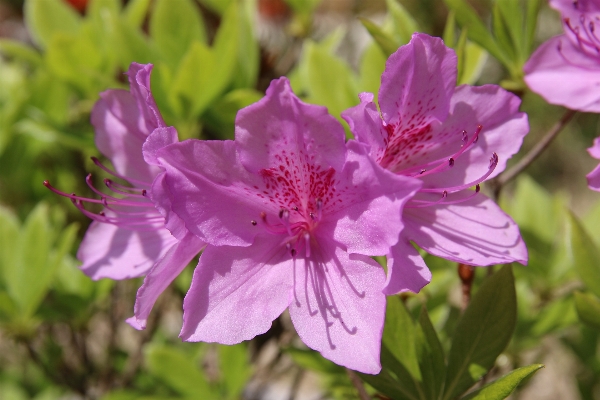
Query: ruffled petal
x=212, y=193
x=237, y=292
x=161, y=275
x=564, y=75
x=108, y=251
x=475, y=232
x=367, y=219
x=407, y=270
x=338, y=307
x=417, y=83
x=366, y=125
x=503, y=130
x=158, y=139
x=282, y=130
x=139, y=83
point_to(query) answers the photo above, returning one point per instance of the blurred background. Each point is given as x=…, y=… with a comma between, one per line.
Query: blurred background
x=63, y=336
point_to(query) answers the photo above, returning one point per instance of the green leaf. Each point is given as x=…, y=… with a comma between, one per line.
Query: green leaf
x=177, y=370
x=531, y=15
x=235, y=369
x=372, y=66
x=583, y=254
x=394, y=380
x=311, y=360
x=468, y=18
x=588, y=309
x=449, y=35
x=482, y=332
x=248, y=50
x=503, y=387
x=45, y=18
x=399, y=335
x=501, y=30
x=135, y=12
x=386, y=43
x=403, y=23
x=218, y=6
x=174, y=26
x=474, y=60
x=20, y=51
x=431, y=359
x=9, y=234
x=330, y=81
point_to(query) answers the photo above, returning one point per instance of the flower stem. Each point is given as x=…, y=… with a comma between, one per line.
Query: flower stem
x=360, y=388
x=534, y=153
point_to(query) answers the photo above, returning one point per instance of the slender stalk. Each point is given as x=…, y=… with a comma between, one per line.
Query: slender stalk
x=360, y=388
x=534, y=153
x=466, y=273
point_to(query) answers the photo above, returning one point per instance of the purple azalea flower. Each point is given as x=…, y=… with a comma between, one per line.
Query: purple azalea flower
x=291, y=214
x=128, y=238
x=565, y=70
x=452, y=139
x=593, y=177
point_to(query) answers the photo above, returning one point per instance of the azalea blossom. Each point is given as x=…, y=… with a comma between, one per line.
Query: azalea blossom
x=593, y=177
x=291, y=214
x=565, y=70
x=452, y=139
x=128, y=238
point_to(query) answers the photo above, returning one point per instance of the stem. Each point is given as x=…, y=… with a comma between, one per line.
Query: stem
x=534, y=153
x=466, y=273
x=360, y=388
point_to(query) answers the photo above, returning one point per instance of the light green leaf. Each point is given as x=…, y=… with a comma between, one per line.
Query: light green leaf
x=531, y=15
x=403, y=23
x=468, y=18
x=45, y=18
x=449, y=35
x=503, y=387
x=174, y=26
x=482, y=332
x=248, y=50
x=330, y=81
x=177, y=370
x=386, y=43
x=133, y=45
x=558, y=314
x=218, y=6
x=135, y=12
x=20, y=51
x=474, y=60
x=311, y=360
x=399, y=335
x=9, y=234
x=372, y=66
x=584, y=254
x=235, y=368
x=588, y=309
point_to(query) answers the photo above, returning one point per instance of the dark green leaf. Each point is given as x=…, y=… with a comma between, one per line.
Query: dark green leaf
x=503, y=387
x=482, y=333
x=584, y=254
x=588, y=309
x=431, y=359
x=531, y=15
x=399, y=336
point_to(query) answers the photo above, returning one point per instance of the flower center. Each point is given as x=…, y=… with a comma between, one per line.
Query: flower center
x=585, y=35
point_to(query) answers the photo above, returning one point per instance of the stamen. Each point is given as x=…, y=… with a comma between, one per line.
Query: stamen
x=113, y=173
x=493, y=163
x=115, y=188
x=307, y=242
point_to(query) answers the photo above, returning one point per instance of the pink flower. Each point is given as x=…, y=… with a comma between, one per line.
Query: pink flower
x=128, y=238
x=452, y=139
x=593, y=177
x=565, y=70
x=290, y=213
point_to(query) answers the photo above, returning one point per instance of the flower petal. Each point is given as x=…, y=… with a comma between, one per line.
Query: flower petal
x=503, y=130
x=417, y=83
x=475, y=232
x=366, y=125
x=159, y=138
x=338, y=308
x=368, y=217
x=282, y=130
x=161, y=275
x=407, y=270
x=237, y=292
x=216, y=197
x=564, y=75
x=139, y=86
x=108, y=251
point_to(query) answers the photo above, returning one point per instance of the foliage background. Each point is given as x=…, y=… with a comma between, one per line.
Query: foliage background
x=63, y=336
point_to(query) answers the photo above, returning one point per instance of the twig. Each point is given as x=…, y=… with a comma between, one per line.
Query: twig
x=466, y=273
x=534, y=153
x=360, y=388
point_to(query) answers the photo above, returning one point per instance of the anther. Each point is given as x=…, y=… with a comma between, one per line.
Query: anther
x=144, y=192
x=253, y=222
x=451, y=162
x=465, y=137
x=477, y=188
x=422, y=171
x=293, y=251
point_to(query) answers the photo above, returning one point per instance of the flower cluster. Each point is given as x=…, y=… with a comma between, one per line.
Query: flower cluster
x=289, y=214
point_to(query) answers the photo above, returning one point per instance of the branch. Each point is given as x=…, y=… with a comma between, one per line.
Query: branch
x=534, y=153
x=360, y=388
